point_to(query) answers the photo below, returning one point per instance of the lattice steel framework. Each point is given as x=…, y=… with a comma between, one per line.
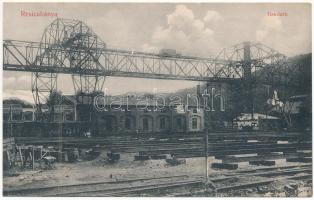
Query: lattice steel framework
x=248, y=59
x=71, y=44
x=71, y=47
x=252, y=55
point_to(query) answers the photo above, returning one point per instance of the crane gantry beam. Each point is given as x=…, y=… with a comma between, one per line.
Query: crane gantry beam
x=71, y=47
x=21, y=55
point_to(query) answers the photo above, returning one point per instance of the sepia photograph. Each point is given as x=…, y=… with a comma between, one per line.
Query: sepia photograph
x=132, y=99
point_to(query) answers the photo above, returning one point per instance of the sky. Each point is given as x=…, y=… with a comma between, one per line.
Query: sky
x=195, y=29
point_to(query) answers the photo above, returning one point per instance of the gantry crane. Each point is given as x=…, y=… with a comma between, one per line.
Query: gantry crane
x=71, y=47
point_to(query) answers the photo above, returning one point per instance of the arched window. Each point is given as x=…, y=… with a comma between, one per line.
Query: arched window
x=128, y=123
x=162, y=123
x=179, y=123
x=145, y=124
x=28, y=116
x=194, y=123
x=222, y=103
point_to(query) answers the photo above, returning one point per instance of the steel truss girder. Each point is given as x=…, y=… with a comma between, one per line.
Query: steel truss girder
x=119, y=63
x=69, y=46
x=228, y=65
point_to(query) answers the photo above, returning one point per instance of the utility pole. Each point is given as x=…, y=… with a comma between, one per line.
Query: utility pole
x=60, y=136
x=206, y=128
x=247, y=72
x=33, y=158
x=206, y=154
x=267, y=100
x=11, y=131
x=61, y=110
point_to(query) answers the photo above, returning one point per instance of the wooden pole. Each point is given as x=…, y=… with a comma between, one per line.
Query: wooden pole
x=21, y=156
x=33, y=158
x=11, y=127
x=207, y=124
x=206, y=154
x=60, y=138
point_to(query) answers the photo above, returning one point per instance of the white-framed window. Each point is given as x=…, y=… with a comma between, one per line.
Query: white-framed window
x=194, y=123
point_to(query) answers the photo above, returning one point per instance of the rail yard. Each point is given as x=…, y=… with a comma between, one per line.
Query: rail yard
x=245, y=130
x=243, y=163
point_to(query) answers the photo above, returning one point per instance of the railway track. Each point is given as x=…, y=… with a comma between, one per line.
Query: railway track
x=63, y=189
x=272, y=173
x=165, y=186
x=286, y=174
x=225, y=146
x=170, y=137
x=197, y=147
x=301, y=173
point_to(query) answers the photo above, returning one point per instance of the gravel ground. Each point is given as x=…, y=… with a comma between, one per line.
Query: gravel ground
x=98, y=170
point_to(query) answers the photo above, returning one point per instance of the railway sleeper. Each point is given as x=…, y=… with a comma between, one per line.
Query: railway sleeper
x=230, y=166
x=300, y=159
x=232, y=159
x=141, y=157
x=263, y=162
x=158, y=157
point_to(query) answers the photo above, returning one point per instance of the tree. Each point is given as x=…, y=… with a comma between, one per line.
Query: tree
x=54, y=98
x=236, y=101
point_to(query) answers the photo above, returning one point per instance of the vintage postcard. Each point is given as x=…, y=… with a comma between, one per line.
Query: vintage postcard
x=157, y=99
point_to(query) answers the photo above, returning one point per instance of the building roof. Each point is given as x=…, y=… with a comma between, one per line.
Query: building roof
x=298, y=98
x=135, y=100
x=256, y=116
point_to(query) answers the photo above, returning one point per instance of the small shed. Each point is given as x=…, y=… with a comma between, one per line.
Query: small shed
x=258, y=122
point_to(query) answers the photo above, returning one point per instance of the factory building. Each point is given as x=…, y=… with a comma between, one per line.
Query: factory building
x=79, y=116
